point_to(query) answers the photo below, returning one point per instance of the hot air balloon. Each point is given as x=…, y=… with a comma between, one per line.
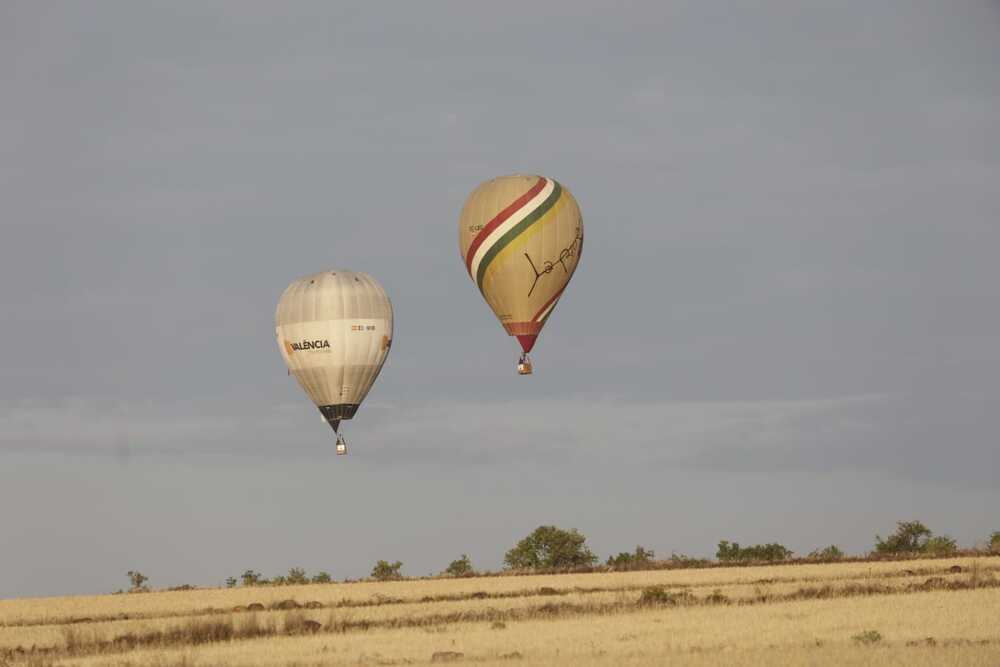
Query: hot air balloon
x=334, y=330
x=521, y=239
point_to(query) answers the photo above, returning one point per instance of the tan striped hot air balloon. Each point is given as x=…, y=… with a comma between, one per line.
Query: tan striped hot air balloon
x=334, y=329
x=521, y=239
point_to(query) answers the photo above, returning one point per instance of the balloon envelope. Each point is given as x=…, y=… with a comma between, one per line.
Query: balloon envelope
x=521, y=238
x=334, y=330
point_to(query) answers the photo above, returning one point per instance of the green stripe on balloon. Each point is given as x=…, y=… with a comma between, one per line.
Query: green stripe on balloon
x=516, y=231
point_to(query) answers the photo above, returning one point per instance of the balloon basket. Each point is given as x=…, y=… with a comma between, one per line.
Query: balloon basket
x=524, y=366
x=341, y=446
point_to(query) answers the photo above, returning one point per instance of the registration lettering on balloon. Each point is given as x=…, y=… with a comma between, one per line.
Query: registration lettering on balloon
x=571, y=251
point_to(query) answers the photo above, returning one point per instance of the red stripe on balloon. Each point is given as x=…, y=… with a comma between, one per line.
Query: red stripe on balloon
x=499, y=220
x=548, y=303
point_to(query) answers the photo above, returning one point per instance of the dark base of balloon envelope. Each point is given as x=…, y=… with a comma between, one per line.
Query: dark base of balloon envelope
x=335, y=413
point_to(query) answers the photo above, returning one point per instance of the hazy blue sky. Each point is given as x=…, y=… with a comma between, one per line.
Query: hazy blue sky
x=784, y=326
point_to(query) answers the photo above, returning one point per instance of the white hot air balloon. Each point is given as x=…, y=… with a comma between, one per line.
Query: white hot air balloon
x=334, y=330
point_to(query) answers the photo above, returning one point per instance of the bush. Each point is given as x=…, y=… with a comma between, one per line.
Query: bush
x=915, y=537
x=910, y=537
x=631, y=561
x=386, y=571
x=550, y=547
x=322, y=578
x=832, y=552
x=717, y=598
x=231, y=582
x=868, y=637
x=940, y=545
x=138, y=580
x=461, y=567
x=251, y=578
x=296, y=575
x=655, y=595
x=732, y=552
x=995, y=542
x=659, y=596
x=685, y=561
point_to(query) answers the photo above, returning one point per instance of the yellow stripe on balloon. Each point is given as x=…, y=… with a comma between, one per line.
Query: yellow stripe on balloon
x=519, y=243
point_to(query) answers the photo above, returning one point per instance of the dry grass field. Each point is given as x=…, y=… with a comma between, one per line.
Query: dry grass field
x=905, y=612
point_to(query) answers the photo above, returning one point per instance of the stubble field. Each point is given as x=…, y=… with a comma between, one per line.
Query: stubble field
x=925, y=612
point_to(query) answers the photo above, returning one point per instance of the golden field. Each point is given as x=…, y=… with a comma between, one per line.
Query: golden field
x=904, y=612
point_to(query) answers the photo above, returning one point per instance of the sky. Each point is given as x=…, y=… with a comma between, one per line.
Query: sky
x=783, y=327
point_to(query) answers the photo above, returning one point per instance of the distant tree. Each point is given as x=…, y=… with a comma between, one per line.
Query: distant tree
x=386, y=571
x=550, y=547
x=995, y=542
x=831, y=552
x=138, y=581
x=322, y=578
x=296, y=575
x=231, y=582
x=461, y=567
x=251, y=578
x=910, y=537
x=729, y=552
x=940, y=545
x=632, y=561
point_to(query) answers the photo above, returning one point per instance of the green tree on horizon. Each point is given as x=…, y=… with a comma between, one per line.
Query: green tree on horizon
x=549, y=547
x=628, y=561
x=386, y=571
x=460, y=567
x=910, y=537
